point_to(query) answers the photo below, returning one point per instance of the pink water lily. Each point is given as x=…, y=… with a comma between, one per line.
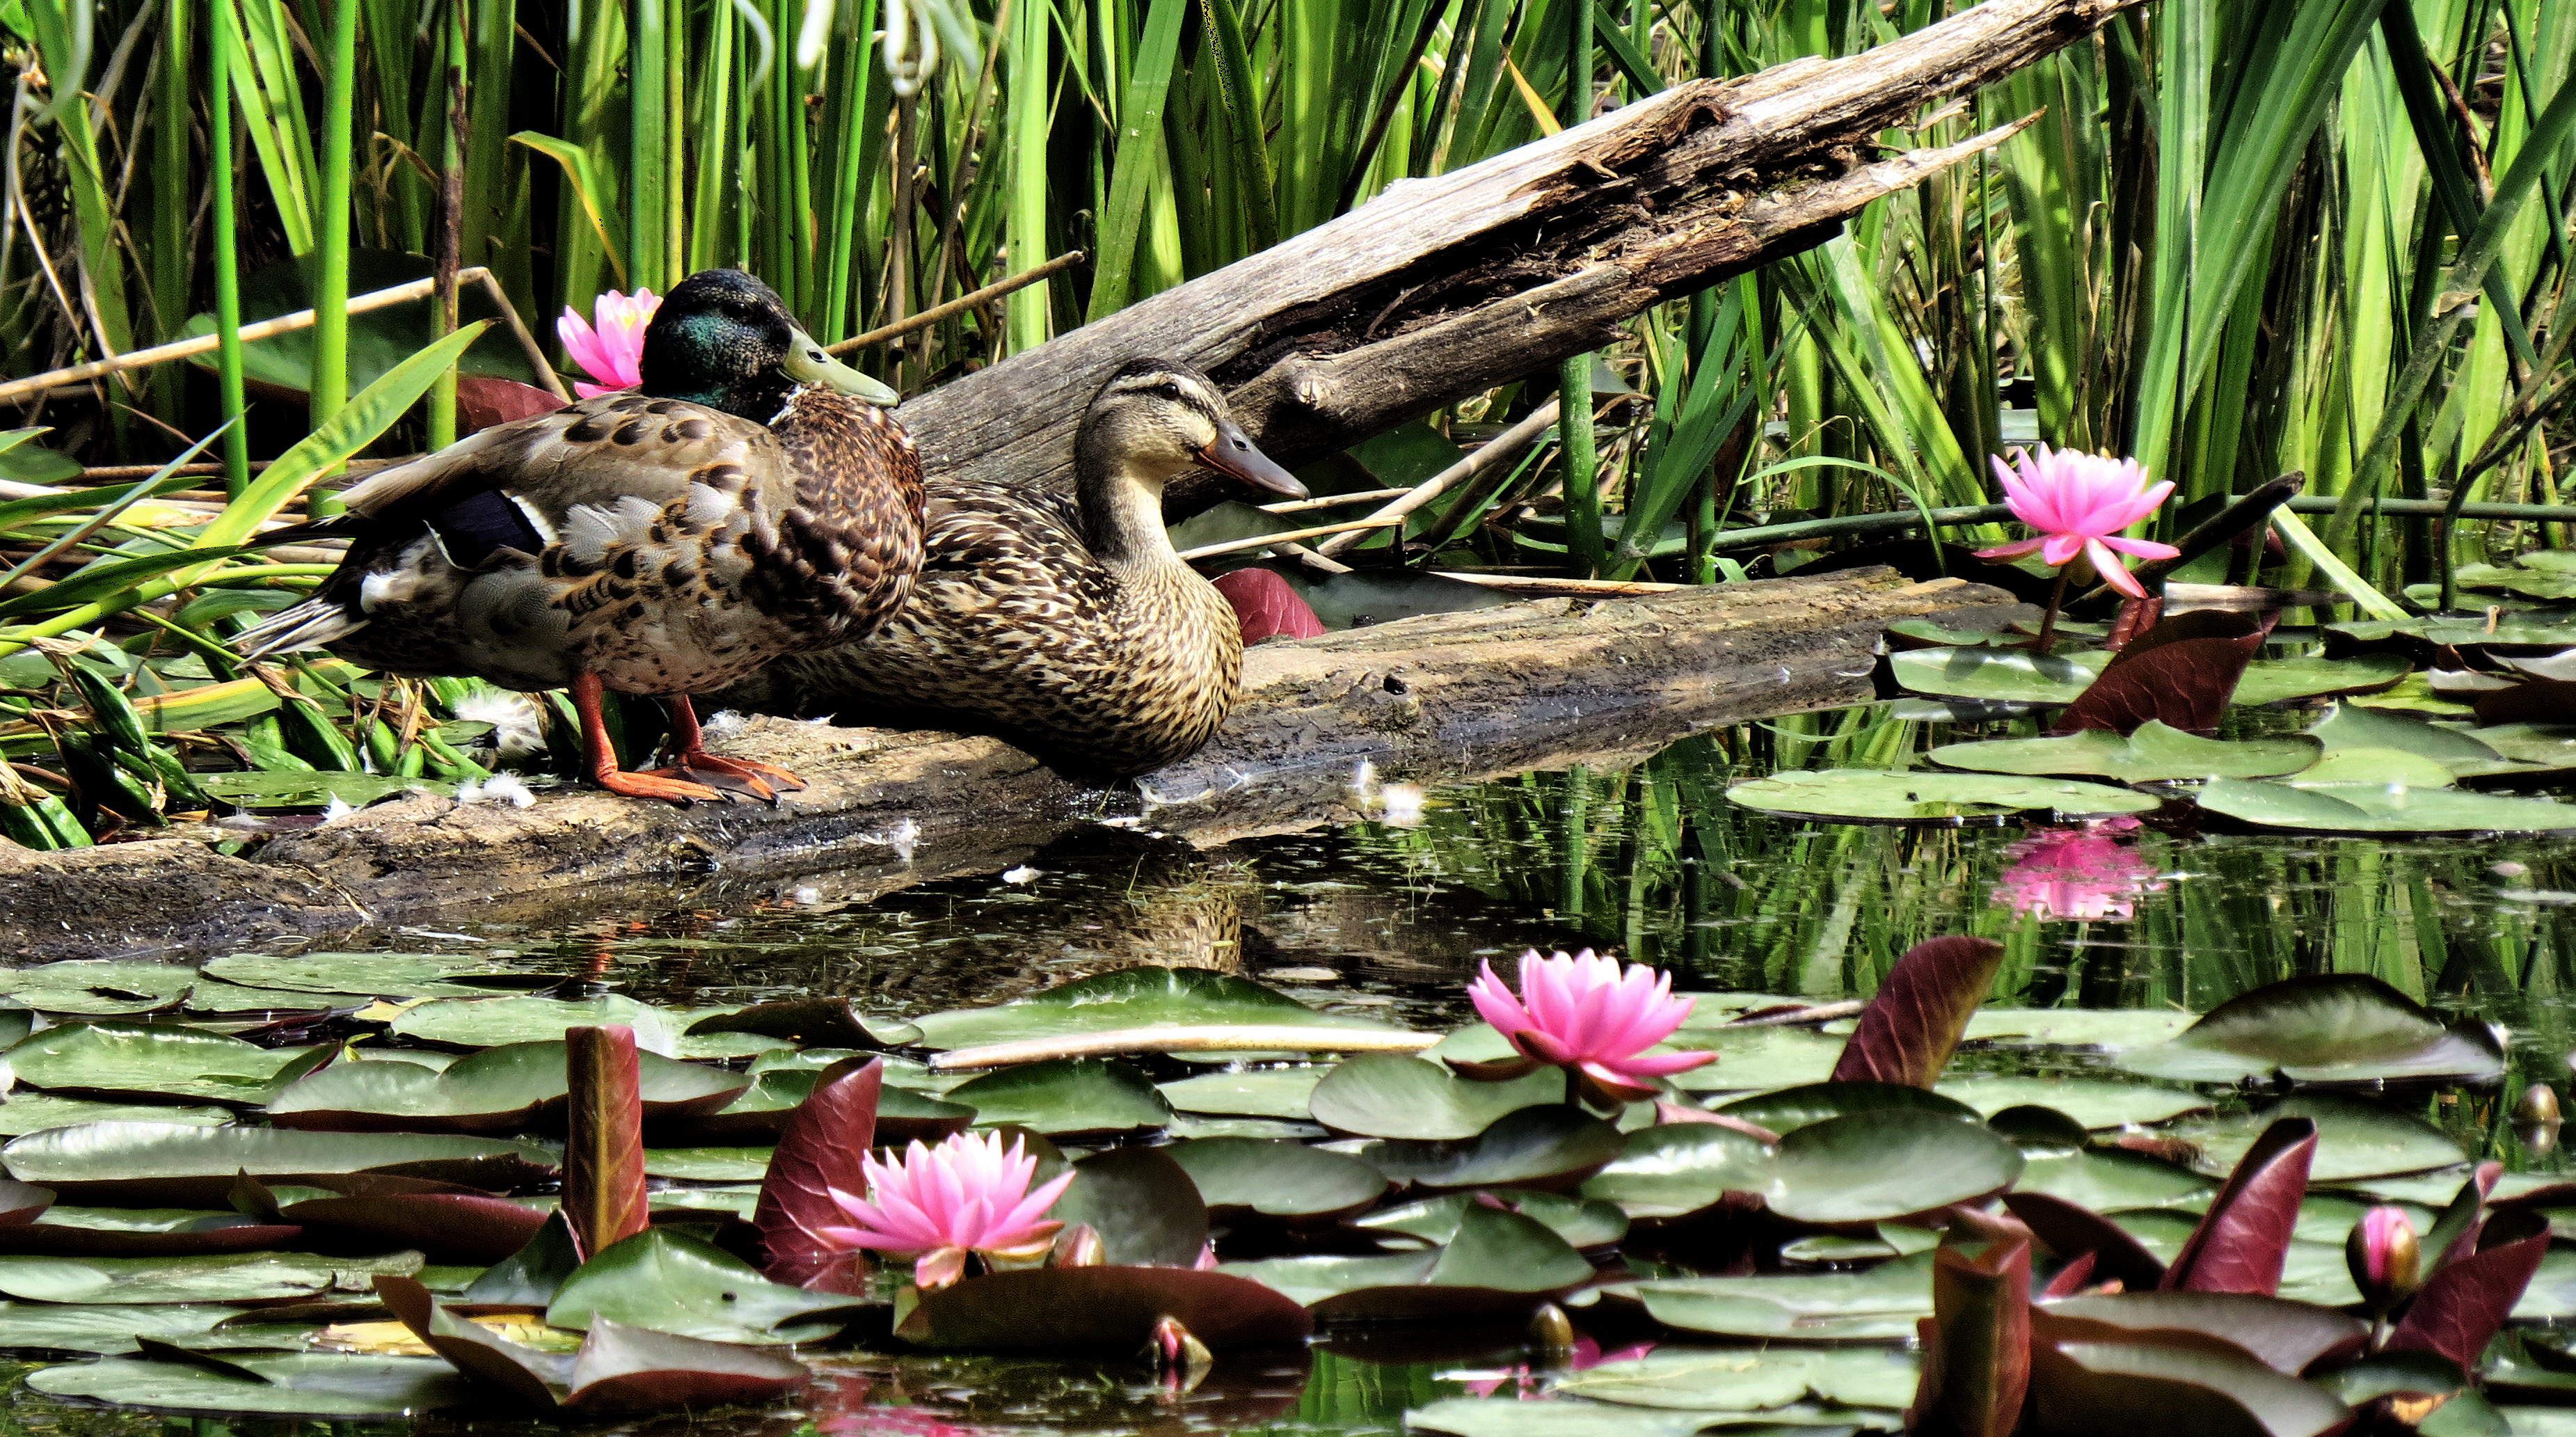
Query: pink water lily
x=2079, y=503
x=612, y=351
x=968, y=1195
x=1585, y=1015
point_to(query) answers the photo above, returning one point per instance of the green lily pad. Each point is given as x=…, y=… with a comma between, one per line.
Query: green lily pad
x=2350, y=726
x=1387, y=1095
x=494, y=1090
x=1277, y=1179
x=1129, y=998
x=1502, y=1416
x=1498, y=1262
x=2356, y=1138
x=1999, y=675
x=45, y=1328
x=322, y=1385
x=2155, y=752
x=708, y=1165
x=374, y=975
x=2107, y=1179
x=1253, y=1093
x=2272, y=681
x=2106, y=1028
x=202, y=1277
x=182, y=1165
x=2368, y=808
x=2324, y=1028
x=1680, y=1168
x=33, y=1112
x=119, y=1060
x=2536, y=583
x=1758, y=1058
x=1068, y=1095
x=1873, y=1304
x=671, y=1283
x=1547, y=1146
x=1793, y=1108
x=2385, y=767
x=491, y=1022
x=1877, y=796
x=1886, y=1163
x=100, y=986
x=1750, y=1381
x=1581, y=1222
x=2091, y=1102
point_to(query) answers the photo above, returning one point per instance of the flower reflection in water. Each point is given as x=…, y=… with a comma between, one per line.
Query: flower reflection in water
x=2082, y=873
x=1530, y=1384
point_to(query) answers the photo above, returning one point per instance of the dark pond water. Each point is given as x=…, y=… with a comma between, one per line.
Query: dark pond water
x=1650, y=861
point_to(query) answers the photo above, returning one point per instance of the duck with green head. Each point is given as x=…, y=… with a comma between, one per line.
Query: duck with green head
x=753, y=500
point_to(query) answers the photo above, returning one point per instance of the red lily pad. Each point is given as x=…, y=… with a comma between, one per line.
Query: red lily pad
x=483, y=402
x=1976, y=1344
x=2464, y=1304
x=1110, y=1309
x=603, y=1182
x=2244, y=1238
x=820, y=1151
x=1266, y=607
x=1913, y=1022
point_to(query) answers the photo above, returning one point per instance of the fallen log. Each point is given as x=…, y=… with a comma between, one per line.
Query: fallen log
x=1440, y=697
x=1441, y=288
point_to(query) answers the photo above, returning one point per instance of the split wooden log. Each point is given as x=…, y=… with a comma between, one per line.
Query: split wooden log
x=1443, y=696
x=1441, y=288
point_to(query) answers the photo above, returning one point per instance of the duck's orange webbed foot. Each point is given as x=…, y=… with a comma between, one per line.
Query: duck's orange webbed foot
x=662, y=783
x=690, y=760
x=600, y=756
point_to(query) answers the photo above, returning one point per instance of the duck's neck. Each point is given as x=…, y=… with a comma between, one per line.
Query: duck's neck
x=1122, y=509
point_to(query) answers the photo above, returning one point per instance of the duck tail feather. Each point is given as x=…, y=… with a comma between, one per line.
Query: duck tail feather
x=308, y=625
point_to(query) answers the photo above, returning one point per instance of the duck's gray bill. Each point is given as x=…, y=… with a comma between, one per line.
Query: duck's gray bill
x=1233, y=454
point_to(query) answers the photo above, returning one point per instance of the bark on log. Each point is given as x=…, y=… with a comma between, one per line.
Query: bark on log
x=1443, y=696
x=1441, y=288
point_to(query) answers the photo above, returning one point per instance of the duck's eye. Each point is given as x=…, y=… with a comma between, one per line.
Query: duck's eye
x=1168, y=390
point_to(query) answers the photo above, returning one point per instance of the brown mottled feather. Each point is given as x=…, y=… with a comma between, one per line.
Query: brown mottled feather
x=685, y=547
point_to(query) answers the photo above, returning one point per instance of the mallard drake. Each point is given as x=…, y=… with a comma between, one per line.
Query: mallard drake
x=1066, y=621
x=751, y=501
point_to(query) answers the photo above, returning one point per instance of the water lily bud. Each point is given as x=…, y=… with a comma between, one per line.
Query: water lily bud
x=1078, y=1246
x=1551, y=1332
x=2383, y=1254
x=2539, y=1104
x=1177, y=1349
x=2538, y=1139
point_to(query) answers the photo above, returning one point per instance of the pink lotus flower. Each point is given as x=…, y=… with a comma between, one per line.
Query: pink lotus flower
x=2076, y=873
x=613, y=353
x=1584, y=1015
x=968, y=1195
x=2383, y=1253
x=2079, y=503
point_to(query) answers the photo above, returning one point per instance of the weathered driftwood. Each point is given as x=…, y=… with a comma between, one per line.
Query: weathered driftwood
x=1443, y=287
x=1491, y=691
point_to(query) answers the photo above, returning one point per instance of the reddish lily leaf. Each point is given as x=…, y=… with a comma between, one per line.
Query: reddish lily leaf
x=1976, y=1344
x=1912, y=1025
x=1106, y=1308
x=483, y=402
x=618, y=1369
x=447, y=1227
x=2077, y=1233
x=2244, y=1238
x=1668, y=1112
x=2283, y=1335
x=2463, y=1305
x=2070, y=1279
x=47, y=1239
x=2185, y=685
x=603, y=1170
x=2532, y=701
x=635, y=1369
x=2117, y=1389
x=1265, y=606
x=2455, y=1232
x=22, y=1203
x=2136, y=617
x=820, y=1151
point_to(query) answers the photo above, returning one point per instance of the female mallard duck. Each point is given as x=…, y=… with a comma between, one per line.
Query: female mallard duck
x=669, y=542
x=1067, y=622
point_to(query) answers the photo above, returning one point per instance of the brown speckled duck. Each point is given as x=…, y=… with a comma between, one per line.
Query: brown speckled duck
x=754, y=500
x=1066, y=621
